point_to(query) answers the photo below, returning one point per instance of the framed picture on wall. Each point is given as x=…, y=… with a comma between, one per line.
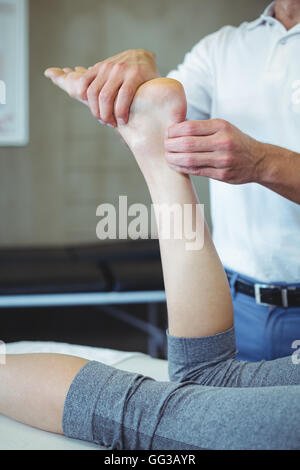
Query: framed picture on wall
x=14, y=116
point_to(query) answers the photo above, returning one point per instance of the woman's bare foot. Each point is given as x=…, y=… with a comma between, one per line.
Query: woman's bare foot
x=157, y=105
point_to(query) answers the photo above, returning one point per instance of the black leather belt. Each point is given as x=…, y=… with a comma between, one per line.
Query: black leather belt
x=268, y=294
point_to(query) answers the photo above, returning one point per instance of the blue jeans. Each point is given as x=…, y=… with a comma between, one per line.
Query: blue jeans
x=263, y=332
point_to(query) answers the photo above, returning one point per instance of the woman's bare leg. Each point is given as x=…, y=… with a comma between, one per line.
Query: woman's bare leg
x=33, y=388
x=198, y=295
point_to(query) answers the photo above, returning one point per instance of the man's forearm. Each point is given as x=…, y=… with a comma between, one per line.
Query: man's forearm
x=280, y=171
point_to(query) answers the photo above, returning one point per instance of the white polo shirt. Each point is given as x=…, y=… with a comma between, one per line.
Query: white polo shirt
x=250, y=76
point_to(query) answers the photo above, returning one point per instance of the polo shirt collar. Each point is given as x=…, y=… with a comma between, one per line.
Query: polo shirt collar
x=266, y=17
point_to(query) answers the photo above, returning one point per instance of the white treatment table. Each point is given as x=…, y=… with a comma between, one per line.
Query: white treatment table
x=17, y=436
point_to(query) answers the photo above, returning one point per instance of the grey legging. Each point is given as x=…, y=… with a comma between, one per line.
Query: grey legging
x=213, y=402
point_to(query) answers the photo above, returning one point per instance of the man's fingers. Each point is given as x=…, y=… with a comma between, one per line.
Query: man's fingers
x=189, y=144
x=53, y=72
x=213, y=173
x=124, y=101
x=199, y=160
x=185, y=171
x=197, y=128
x=49, y=71
x=58, y=77
x=85, y=81
x=93, y=93
x=66, y=79
x=80, y=69
x=107, y=98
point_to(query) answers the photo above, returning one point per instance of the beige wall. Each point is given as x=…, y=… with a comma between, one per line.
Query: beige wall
x=50, y=189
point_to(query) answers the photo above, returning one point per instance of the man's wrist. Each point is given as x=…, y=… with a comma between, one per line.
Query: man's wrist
x=279, y=171
x=270, y=162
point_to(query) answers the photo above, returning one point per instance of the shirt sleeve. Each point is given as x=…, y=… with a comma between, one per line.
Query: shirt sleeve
x=196, y=74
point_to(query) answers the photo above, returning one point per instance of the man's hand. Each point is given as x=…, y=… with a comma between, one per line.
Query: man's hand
x=110, y=86
x=215, y=149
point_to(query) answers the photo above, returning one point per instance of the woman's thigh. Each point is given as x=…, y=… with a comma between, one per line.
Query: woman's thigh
x=121, y=410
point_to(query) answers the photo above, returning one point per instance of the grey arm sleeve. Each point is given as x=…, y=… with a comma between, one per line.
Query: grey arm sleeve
x=211, y=361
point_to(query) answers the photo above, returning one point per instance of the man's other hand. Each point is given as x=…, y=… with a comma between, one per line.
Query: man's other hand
x=215, y=149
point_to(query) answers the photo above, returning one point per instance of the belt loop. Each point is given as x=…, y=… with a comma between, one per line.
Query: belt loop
x=232, y=283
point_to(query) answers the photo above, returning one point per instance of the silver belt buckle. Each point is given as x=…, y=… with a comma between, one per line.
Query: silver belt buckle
x=284, y=294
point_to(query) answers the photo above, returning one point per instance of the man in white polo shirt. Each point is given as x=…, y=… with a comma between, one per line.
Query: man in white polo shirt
x=243, y=91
